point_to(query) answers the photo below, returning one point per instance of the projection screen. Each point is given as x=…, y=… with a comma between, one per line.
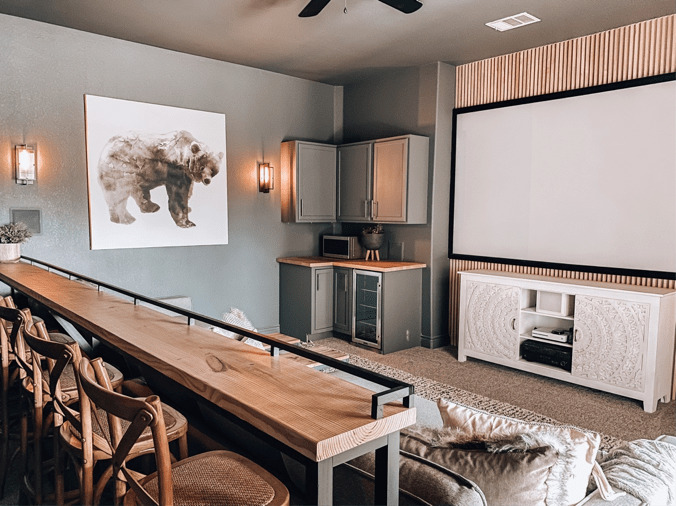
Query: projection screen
x=584, y=178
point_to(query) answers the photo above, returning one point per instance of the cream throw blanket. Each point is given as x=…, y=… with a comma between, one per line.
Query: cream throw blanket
x=645, y=469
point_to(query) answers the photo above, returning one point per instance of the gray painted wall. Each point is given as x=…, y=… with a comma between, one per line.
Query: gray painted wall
x=46, y=70
x=414, y=101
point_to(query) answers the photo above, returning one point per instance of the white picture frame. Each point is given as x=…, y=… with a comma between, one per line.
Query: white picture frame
x=156, y=175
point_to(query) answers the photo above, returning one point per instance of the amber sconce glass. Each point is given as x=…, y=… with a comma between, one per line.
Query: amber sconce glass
x=25, y=164
x=266, y=177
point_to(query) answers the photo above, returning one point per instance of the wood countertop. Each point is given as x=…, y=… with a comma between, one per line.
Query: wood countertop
x=370, y=265
x=314, y=413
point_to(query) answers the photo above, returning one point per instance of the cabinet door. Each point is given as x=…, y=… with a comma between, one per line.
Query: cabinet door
x=316, y=183
x=354, y=182
x=342, y=300
x=491, y=319
x=390, y=173
x=323, y=300
x=366, y=314
x=609, y=341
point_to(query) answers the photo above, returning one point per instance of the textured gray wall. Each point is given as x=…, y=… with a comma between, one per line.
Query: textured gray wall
x=44, y=72
x=414, y=101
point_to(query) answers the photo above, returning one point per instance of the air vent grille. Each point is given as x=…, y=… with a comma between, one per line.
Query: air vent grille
x=514, y=21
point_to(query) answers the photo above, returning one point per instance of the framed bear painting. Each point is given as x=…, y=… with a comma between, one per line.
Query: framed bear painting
x=156, y=175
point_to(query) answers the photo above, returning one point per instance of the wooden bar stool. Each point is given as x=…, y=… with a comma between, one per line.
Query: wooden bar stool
x=10, y=375
x=10, y=318
x=36, y=407
x=217, y=477
x=63, y=358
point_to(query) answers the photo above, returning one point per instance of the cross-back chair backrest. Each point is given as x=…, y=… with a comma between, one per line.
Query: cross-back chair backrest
x=59, y=356
x=11, y=322
x=142, y=413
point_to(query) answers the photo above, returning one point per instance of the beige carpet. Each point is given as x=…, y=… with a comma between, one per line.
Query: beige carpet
x=608, y=414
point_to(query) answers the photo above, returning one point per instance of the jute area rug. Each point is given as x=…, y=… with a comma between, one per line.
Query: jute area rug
x=433, y=390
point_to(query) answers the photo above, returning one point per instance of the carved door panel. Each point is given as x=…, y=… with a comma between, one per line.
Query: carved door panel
x=491, y=319
x=610, y=341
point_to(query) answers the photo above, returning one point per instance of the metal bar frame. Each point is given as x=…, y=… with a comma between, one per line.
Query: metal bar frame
x=396, y=389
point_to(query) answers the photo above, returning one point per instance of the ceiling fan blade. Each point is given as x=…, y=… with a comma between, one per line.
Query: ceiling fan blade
x=313, y=8
x=405, y=6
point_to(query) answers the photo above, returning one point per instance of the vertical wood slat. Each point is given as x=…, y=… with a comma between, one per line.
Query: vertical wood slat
x=628, y=52
x=639, y=50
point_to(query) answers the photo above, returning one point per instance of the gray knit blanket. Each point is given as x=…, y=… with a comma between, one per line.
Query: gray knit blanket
x=645, y=469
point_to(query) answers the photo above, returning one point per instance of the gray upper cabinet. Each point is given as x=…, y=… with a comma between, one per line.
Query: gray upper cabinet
x=354, y=182
x=308, y=189
x=384, y=180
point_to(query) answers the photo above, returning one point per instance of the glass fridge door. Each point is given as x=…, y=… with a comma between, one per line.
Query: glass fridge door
x=366, y=309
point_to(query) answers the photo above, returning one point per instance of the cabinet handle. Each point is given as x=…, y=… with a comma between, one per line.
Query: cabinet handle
x=366, y=209
x=371, y=211
x=375, y=214
x=301, y=207
x=513, y=323
x=575, y=335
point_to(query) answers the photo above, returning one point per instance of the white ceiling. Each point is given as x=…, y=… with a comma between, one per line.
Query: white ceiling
x=335, y=47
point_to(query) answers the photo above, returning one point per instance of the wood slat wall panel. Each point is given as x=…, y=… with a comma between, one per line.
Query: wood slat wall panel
x=640, y=50
x=629, y=52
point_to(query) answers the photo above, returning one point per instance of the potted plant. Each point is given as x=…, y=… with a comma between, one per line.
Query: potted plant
x=372, y=236
x=11, y=237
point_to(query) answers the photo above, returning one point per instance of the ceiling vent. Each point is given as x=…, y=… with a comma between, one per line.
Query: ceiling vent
x=514, y=21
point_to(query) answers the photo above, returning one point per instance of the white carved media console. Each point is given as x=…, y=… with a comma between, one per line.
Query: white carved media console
x=622, y=338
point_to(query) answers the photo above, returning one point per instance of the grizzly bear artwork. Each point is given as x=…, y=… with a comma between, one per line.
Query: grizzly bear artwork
x=133, y=164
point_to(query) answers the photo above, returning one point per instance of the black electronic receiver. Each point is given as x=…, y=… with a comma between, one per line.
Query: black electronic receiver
x=545, y=353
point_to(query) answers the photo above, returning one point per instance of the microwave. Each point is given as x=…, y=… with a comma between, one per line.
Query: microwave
x=341, y=246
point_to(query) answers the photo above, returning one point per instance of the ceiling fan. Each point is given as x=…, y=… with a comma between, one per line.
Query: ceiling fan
x=314, y=7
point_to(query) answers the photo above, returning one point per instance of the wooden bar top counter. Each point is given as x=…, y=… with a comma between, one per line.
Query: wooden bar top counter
x=367, y=265
x=318, y=415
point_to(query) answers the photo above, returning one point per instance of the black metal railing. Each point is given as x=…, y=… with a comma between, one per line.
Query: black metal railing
x=396, y=389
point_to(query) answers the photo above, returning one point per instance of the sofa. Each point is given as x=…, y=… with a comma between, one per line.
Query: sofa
x=460, y=455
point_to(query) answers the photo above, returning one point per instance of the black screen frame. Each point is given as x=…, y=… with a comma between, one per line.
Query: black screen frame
x=542, y=98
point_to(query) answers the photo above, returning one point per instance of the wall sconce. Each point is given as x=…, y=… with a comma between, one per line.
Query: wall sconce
x=24, y=163
x=266, y=177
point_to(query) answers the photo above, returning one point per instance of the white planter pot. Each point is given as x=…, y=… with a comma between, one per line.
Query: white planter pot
x=10, y=253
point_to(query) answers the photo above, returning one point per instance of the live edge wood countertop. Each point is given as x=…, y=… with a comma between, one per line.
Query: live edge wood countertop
x=317, y=414
x=375, y=265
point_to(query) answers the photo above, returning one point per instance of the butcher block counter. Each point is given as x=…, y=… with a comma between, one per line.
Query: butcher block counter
x=373, y=303
x=366, y=265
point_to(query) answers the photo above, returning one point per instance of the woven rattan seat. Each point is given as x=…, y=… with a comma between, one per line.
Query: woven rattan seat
x=224, y=478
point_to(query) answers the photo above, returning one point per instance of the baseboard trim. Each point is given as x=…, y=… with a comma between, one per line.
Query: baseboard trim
x=434, y=341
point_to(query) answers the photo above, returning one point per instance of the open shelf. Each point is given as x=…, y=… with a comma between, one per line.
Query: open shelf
x=539, y=339
x=533, y=311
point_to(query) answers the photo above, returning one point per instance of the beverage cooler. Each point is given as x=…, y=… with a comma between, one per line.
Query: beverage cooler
x=367, y=308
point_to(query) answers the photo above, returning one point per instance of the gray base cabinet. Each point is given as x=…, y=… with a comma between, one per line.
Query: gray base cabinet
x=377, y=309
x=385, y=309
x=400, y=310
x=305, y=301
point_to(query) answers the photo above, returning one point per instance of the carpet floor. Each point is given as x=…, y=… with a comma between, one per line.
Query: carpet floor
x=614, y=417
